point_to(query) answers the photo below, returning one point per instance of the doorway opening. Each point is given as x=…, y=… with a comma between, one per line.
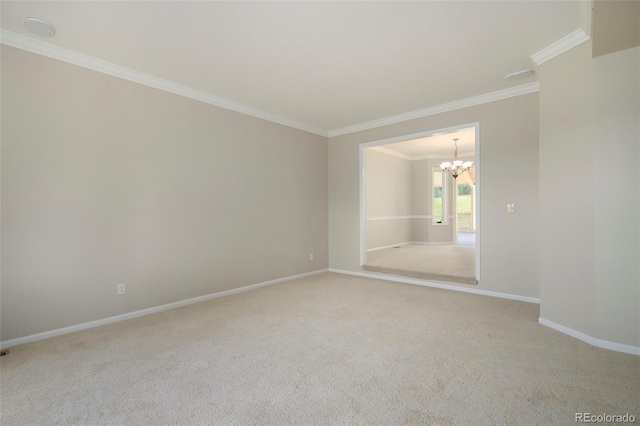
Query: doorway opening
x=416, y=219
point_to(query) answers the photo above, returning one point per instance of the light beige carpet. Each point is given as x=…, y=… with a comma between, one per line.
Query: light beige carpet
x=438, y=262
x=328, y=349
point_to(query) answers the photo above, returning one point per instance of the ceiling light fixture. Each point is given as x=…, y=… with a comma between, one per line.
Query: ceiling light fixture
x=456, y=167
x=519, y=74
x=39, y=27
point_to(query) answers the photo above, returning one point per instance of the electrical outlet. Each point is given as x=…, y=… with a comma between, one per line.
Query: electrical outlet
x=122, y=289
x=511, y=208
x=310, y=256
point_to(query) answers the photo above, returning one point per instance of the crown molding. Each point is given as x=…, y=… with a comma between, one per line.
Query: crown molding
x=438, y=109
x=394, y=153
x=559, y=47
x=49, y=50
x=443, y=156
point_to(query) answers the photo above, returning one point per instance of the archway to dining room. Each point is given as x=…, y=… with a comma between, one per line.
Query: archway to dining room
x=416, y=218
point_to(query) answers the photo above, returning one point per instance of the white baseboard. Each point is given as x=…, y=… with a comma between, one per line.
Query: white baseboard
x=130, y=315
x=389, y=246
x=416, y=281
x=604, y=344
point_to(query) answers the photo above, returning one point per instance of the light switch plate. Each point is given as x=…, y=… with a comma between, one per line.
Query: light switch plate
x=511, y=208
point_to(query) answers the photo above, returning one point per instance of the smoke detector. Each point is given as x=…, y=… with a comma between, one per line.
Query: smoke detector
x=39, y=27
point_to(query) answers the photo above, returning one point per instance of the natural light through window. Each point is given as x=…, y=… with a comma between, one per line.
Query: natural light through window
x=438, y=190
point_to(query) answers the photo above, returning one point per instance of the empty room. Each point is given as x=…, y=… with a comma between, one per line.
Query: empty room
x=318, y=213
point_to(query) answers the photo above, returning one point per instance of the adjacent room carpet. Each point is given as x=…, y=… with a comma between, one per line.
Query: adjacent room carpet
x=437, y=262
x=327, y=349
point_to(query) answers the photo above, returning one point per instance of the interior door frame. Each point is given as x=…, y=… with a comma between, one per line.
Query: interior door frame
x=363, y=183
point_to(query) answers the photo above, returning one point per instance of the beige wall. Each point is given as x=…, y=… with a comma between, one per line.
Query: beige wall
x=589, y=233
x=420, y=200
x=615, y=26
x=383, y=233
x=388, y=185
x=617, y=174
x=567, y=245
x=509, y=174
x=107, y=181
x=388, y=194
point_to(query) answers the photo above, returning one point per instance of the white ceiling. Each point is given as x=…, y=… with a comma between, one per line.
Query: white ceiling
x=437, y=146
x=326, y=64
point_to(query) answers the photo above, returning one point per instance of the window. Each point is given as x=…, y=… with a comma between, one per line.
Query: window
x=438, y=196
x=464, y=206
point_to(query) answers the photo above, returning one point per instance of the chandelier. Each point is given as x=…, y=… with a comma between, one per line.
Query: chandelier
x=457, y=167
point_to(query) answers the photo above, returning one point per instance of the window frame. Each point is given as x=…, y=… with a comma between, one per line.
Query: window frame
x=444, y=197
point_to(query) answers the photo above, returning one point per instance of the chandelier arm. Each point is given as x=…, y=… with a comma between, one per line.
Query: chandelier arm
x=455, y=170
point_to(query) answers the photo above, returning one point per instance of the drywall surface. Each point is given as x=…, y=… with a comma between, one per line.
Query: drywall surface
x=388, y=232
x=388, y=199
x=388, y=185
x=617, y=195
x=615, y=26
x=105, y=181
x=567, y=243
x=508, y=174
x=589, y=233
